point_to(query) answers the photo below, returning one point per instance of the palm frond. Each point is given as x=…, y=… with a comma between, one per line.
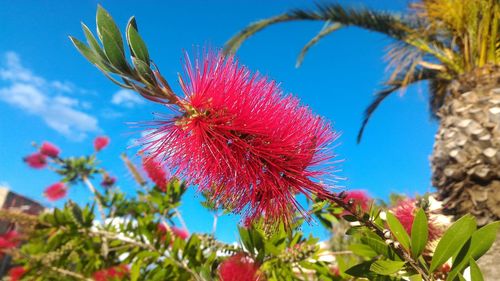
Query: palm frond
x=386, y=23
x=392, y=86
x=329, y=28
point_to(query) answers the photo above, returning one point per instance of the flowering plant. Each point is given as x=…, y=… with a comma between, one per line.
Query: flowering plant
x=250, y=149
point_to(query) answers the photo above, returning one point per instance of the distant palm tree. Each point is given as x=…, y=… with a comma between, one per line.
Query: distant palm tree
x=455, y=46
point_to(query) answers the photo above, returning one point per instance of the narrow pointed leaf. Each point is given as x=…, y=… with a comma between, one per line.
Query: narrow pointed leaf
x=386, y=267
x=105, y=22
x=416, y=277
x=419, y=233
x=475, y=272
x=453, y=240
x=144, y=71
x=483, y=239
x=92, y=41
x=135, y=42
x=85, y=50
x=398, y=230
x=479, y=243
x=114, y=53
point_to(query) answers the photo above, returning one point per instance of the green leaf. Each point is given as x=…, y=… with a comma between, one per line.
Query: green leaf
x=114, y=52
x=144, y=71
x=85, y=50
x=483, y=239
x=135, y=270
x=135, y=42
x=398, y=230
x=386, y=267
x=92, y=41
x=77, y=214
x=350, y=218
x=363, y=250
x=111, y=39
x=246, y=240
x=475, y=272
x=360, y=270
x=419, y=233
x=479, y=243
x=453, y=240
x=106, y=27
x=416, y=277
x=378, y=246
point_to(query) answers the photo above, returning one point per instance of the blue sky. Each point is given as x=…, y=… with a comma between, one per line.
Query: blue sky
x=49, y=92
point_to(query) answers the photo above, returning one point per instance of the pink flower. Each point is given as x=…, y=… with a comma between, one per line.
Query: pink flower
x=50, y=150
x=359, y=198
x=111, y=274
x=108, y=181
x=100, y=143
x=16, y=273
x=405, y=212
x=56, y=191
x=239, y=268
x=9, y=240
x=36, y=160
x=335, y=271
x=177, y=232
x=239, y=137
x=155, y=172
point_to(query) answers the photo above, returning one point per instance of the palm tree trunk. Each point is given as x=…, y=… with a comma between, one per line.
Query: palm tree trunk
x=466, y=158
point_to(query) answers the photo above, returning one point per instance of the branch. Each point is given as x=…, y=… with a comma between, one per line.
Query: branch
x=376, y=229
x=97, y=196
x=131, y=241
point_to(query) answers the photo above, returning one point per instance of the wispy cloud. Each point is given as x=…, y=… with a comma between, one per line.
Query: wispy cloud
x=48, y=100
x=126, y=98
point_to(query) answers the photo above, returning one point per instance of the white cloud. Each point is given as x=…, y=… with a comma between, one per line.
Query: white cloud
x=39, y=97
x=126, y=98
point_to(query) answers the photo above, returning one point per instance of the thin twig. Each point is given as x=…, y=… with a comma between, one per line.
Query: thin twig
x=105, y=248
x=214, y=224
x=70, y=273
x=181, y=220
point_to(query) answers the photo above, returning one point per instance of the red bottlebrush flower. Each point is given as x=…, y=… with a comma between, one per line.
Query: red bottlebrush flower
x=239, y=268
x=178, y=232
x=108, y=181
x=114, y=273
x=360, y=200
x=9, y=240
x=36, y=160
x=155, y=172
x=100, y=143
x=16, y=273
x=56, y=191
x=50, y=150
x=405, y=212
x=241, y=138
x=335, y=271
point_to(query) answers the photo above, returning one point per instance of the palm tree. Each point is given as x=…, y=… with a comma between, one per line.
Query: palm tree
x=454, y=45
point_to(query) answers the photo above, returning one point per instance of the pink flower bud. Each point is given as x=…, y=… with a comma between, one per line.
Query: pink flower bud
x=50, y=150
x=100, y=143
x=36, y=160
x=56, y=191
